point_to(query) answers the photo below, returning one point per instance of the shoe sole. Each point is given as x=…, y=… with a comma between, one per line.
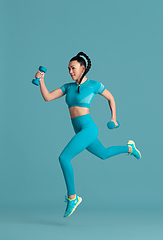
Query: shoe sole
x=80, y=200
x=133, y=143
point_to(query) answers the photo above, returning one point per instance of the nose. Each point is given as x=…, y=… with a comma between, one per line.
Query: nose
x=70, y=71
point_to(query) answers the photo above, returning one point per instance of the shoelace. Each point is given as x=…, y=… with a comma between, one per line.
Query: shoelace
x=67, y=200
x=69, y=203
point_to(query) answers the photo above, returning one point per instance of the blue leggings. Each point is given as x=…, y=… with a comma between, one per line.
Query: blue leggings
x=85, y=138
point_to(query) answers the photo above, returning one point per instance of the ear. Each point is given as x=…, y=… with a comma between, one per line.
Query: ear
x=83, y=68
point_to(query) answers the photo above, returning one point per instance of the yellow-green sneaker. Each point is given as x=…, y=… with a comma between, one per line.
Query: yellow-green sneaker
x=135, y=152
x=71, y=205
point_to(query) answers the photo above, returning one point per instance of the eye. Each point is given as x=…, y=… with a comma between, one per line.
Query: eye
x=73, y=68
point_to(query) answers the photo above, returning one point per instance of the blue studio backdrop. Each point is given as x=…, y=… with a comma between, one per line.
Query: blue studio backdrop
x=124, y=41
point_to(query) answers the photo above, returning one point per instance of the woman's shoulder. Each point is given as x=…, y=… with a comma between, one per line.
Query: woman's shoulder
x=97, y=86
x=94, y=83
x=66, y=86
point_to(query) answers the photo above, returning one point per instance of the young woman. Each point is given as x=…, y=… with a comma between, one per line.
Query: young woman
x=79, y=94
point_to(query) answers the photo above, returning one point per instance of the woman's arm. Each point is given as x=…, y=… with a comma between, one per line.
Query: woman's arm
x=112, y=105
x=48, y=96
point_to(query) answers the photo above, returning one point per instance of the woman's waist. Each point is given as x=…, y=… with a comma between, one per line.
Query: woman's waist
x=83, y=122
x=76, y=111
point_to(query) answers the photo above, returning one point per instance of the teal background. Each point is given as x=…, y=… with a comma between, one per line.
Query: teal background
x=124, y=41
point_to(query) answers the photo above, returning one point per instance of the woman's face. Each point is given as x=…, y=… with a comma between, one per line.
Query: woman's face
x=76, y=70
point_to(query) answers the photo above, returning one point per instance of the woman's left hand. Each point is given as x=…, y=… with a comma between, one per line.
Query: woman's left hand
x=114, y=120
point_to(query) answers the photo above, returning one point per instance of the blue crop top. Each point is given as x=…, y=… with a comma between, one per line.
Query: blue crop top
x=88, y=90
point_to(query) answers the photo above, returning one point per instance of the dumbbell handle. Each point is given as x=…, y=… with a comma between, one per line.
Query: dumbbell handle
x=36, y=80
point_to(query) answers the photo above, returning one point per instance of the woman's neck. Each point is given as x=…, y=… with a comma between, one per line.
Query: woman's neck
x=83, y=80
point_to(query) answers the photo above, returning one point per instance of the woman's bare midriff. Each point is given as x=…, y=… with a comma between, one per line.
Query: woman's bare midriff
x=78, y=111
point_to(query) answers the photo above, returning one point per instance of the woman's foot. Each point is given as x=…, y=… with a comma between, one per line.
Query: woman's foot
x=135, y=152
x=71, y=205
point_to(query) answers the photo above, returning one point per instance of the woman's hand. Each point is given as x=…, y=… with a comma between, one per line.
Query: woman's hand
x=40, y=75
x=114, y=120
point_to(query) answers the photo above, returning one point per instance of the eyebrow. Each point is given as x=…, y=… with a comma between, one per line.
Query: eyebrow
x=71, y=66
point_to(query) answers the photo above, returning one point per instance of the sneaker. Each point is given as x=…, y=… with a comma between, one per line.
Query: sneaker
x=135, y=152
x=71, y=205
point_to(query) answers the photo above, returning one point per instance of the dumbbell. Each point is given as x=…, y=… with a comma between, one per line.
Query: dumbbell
x=36, y=80
x=111, y=125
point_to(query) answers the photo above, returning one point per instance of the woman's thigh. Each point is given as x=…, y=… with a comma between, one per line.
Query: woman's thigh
x=79, y=142
x=97, y=149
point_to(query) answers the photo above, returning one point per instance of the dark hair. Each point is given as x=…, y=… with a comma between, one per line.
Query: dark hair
x=82, y=62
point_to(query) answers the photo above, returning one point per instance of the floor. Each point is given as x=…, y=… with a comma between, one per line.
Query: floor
x=48, y=224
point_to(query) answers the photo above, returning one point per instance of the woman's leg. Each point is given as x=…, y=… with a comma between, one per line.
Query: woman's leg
x=77, y=144
x=100, y=151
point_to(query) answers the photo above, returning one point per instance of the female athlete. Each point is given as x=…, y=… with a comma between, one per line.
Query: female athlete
x=79, y=94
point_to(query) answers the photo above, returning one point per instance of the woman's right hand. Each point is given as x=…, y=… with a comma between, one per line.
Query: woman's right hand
x=40, y=75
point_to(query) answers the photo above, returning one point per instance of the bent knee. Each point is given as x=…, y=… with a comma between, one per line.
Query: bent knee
x=63, y=159
x=103, y=157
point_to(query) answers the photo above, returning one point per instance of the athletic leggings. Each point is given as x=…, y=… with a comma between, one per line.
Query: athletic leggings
x=85, y=138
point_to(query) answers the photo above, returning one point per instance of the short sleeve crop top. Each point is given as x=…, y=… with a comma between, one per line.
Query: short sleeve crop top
x=88, y=90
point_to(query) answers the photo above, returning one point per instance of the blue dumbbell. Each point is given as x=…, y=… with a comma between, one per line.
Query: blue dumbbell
x=111, y=125
x=36, y=80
